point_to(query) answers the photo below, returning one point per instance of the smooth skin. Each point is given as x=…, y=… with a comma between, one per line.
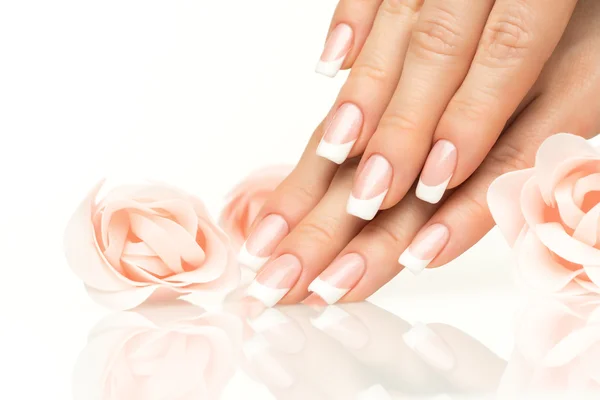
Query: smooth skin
x=498, y=115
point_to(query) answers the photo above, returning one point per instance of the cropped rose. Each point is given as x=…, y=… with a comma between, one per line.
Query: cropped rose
x=247, y=198
x=154, y=353
x=557, y=348
x=148, y=242
x=551, y=215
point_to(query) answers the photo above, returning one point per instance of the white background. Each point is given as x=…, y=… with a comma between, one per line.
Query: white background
x=196, y=93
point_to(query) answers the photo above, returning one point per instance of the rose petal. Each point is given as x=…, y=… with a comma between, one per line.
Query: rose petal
x=117, y=237
x=569, y=212
x=554, y=237
x=81, y=250
x=532, y=204
x=589, y=286
x=574, y=344
x=122, y=299
x=587, y=230
x=557, y=157
x=216, y=247
x=138, y=249
x=111, y=208
x=181, y=211
x=585, y=185
x=502, y=198
x=593, y=272
x=540, y=269
x=186, y=245
x=157, y=239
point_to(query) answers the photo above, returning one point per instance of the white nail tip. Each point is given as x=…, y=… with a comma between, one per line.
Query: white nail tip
x=365, y=209
x=412, y=263
x=331, y=316
x=375, y=392
x=338, y=153
x=424, y=341
x=432, y=194
x=329, y=68
x=329, y=293
x=250, y=261
x=266, y=295
x=267, y=320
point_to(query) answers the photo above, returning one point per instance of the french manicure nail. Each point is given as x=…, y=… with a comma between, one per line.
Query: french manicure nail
x=424, y=248
x=430, y=346
x=336, y=49
x=341, y=134
x=437, y=172
x=375, y=392
x=337, y=280
x=370, y=187
x=275, y=280
x=262, y=242
x=343, y=327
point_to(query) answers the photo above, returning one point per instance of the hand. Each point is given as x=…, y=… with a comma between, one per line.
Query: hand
x=564, y=98
x=443, y=72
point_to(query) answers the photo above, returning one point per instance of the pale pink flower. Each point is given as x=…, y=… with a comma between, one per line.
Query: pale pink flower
x=550, y=214
x=148, y=242
x=173, y=352
x=245, y=201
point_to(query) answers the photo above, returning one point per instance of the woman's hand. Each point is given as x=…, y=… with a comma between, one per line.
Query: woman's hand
x=352, y=258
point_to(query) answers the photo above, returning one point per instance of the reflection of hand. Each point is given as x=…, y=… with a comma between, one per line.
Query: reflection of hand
x=358, y=349
x=173, y=352
x=557, y=348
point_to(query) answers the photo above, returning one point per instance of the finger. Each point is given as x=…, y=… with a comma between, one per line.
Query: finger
x=518, y=39
x=350, y=26
x=443, y=43
x=371, y=83
x=466, y=210
x=287, y=205
x=378, y=245
x=305, y=252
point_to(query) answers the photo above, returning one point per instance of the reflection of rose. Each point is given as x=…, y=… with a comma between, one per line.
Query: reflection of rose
x=148, y=242
x=557, y=347
x=177, y=352
x=551, y=214
x=246, y=199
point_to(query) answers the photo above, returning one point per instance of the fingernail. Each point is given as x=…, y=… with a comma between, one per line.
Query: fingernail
x=337, y=280
x=279, y=330
x=262, y=242
x=343, y=327
x=341, y=134
x=275, y=280
x=430, y=346
x=336, y=49
x=375, y=392
x=437, y=172
x=424, y=248
x=370, y=187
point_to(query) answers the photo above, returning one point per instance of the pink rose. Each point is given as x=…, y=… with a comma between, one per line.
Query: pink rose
x=174, y=352
x=247, y=198
x=148, y=242
x=551, y=215
x=557, y=348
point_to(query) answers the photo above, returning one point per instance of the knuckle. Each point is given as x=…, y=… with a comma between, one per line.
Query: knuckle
x=508, y=36
x=437, y=36
x=298, y=194
x=373, y=70
x=506, y=158
x=395, y=121
x=321, y=230
x=381, y=232
x=402, y=8
x=472, y=107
